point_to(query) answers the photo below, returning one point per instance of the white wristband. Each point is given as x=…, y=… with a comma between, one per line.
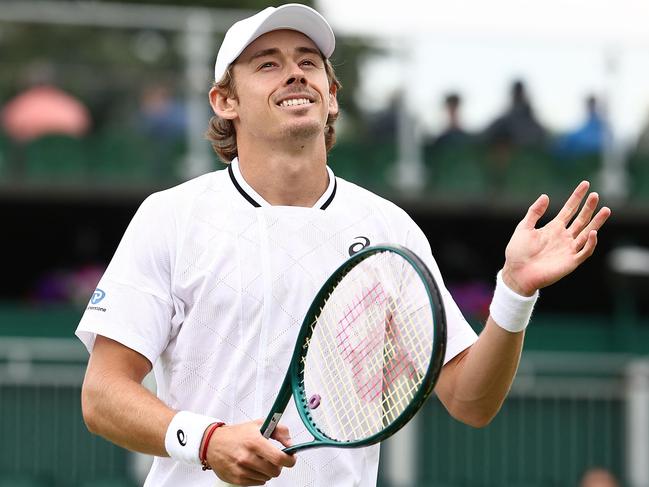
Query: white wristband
x=510, y=310
x=184, y=436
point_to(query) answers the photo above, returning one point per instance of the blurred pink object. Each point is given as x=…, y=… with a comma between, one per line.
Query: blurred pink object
x=44, y=110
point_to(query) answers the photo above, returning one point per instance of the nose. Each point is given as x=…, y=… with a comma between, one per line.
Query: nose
x=296, y=79
x=296, y=76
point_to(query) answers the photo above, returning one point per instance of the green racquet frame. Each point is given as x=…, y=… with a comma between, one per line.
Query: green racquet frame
x=293, y=381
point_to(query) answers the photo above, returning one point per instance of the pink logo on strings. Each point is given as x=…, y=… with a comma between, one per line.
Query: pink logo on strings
x=382, y=333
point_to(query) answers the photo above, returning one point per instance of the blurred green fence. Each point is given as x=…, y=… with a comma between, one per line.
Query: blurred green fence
x=45, y=442
x=566, y=412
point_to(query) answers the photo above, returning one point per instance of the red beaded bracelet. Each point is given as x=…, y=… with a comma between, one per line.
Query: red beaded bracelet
x=208, y=436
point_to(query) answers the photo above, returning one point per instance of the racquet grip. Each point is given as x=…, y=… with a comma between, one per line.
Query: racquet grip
x=266, y=430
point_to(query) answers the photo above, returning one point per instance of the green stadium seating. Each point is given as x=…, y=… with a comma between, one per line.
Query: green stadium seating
x=120, y=156
x=10, y=480
x=55, y=158
x=123, y=156
x=456, y=169
x=364, y=163
x=344, y=160
x=571, y=171
x=638, y=168
x=108, y=482
x=529, y=174
x=4, y=155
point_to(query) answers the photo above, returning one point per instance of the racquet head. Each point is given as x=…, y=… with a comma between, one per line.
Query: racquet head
x=370, y=350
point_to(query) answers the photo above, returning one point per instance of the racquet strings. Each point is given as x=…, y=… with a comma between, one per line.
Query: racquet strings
x=370, y=349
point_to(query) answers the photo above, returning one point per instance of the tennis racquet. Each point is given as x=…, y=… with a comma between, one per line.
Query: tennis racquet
x=369, y=351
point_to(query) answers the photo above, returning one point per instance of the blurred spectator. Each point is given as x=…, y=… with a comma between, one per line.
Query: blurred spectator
x=43, y=109
x=383, y=126
x=515, y=131
x=162, y=115
x=598, y=477
x=162, y=119
x=589, y=139
x=518, y=126
x=453, y=134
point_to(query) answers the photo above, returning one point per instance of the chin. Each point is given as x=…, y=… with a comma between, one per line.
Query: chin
x=305, y=130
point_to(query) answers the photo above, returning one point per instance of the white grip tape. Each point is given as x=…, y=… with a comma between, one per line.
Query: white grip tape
x=184, y=436
x=510, y=310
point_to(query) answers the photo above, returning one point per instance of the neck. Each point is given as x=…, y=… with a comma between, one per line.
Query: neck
x=286, y=175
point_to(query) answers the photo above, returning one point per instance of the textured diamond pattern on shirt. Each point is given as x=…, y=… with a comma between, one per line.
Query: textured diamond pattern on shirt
x=240, y=280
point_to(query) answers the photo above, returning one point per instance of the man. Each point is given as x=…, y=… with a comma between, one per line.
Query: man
x=212, y=278
x=589, y=139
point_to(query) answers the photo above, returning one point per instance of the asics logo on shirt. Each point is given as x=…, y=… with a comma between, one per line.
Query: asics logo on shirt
x=358, y=246
x=180, y=434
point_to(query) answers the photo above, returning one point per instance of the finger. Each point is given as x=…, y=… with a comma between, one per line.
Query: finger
x=595, y=224
x=536, y=211
x=267, y=451
x=589, y=248
x=255, y=467
x=282, y=459
x=249, y=478
x=282, y=435
x=572, y=204
x=245, y=476
x=266, y=469
x=585, y=215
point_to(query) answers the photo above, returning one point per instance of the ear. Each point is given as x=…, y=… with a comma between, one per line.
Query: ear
x=223, y=106
x=333, y=100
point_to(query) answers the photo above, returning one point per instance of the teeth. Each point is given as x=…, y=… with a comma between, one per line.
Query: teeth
x=294, y=101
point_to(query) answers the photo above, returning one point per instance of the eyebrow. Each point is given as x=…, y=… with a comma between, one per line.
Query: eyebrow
x=273, y=51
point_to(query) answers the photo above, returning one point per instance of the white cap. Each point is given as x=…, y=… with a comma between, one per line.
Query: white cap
x=291, y=16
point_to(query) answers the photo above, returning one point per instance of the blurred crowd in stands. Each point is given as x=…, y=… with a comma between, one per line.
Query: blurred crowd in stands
x=515, y=154
x=48, y=134
x=519, y=128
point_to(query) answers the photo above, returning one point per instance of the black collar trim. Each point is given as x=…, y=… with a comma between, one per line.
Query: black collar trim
x=256, y=204
x=331, y=197
x=240, y=189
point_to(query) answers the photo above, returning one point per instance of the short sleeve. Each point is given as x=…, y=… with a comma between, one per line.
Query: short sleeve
x=460, y=335
x=132, y=303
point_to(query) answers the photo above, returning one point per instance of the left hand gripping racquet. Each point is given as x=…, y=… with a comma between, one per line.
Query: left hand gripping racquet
x=369, y=352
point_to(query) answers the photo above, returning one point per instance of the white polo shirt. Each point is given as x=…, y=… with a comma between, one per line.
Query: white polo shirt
x=211, y=283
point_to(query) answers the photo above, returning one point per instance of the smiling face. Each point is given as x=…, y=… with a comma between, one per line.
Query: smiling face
x=282, y=91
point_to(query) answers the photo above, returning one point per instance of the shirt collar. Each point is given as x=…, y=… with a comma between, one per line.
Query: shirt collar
x=257, y=201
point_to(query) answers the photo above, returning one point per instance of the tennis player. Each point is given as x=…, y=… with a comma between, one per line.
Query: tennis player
x=212, y=278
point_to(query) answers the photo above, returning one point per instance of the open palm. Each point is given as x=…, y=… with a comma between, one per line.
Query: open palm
x=538, y=257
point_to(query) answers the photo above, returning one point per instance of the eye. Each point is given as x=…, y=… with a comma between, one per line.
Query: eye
x=266, y=65
x=307, y=62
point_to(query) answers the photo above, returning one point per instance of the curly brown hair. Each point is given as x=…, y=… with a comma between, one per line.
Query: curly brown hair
x=222, y=135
